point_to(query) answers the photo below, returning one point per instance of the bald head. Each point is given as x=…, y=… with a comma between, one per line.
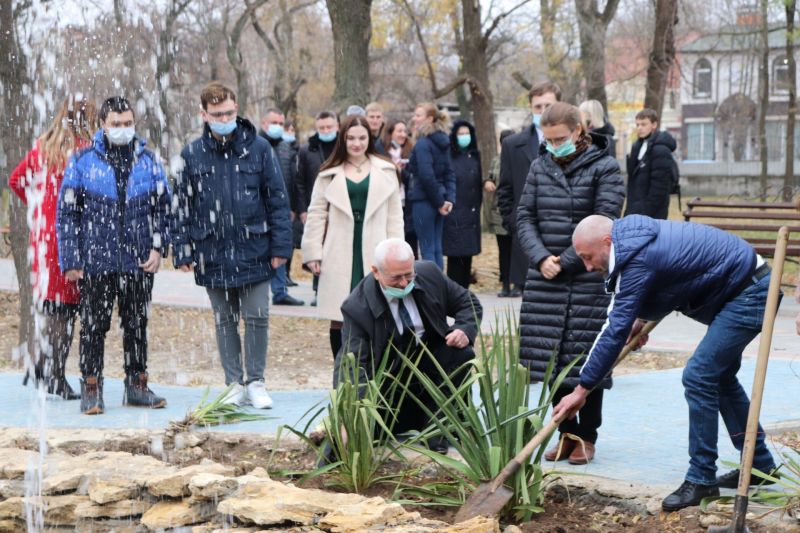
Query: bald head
x=592, y=242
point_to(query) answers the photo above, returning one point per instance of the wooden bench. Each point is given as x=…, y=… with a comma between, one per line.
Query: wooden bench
x=755, y=222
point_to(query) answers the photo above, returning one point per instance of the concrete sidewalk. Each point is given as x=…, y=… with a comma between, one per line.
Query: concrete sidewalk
x=676, y=332
x=643, y=438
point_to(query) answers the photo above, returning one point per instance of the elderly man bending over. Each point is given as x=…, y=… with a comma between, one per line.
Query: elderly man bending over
x=407, y=303
x=654, y=267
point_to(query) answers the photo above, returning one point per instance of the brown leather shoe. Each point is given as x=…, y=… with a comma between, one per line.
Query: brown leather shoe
x=582, y=454
x=567, y=445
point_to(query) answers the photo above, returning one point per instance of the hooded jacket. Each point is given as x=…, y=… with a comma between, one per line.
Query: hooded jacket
x=650, y=180
x=661, y=266
x=563, y=314
x=97, y=230
x=430, y=170
x=232, y=210
x=462, y=227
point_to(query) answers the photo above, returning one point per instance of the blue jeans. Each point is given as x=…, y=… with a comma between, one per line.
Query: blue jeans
x=278, y=284
x=429, y=224
x=251, y=303
x=712, y=389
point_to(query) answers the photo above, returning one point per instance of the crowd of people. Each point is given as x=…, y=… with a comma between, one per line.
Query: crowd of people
x=375, y=207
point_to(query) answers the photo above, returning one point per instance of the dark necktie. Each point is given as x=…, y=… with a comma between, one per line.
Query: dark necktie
x=405, y=317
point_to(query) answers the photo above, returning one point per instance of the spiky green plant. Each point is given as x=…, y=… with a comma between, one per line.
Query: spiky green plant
x=358, y=428
x=214, y=412
x=490, y=432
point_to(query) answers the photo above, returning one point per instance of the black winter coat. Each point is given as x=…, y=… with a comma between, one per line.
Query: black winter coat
x=518, y=153
x=369, y=326
x=462, y=227
x=650, y=180
x=608, y=132
x=564, y=314
x=309, y=159
x=232, y=209
x=287, y=158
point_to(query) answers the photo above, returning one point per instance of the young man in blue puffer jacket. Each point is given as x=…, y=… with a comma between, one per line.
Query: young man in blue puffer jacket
x=654, y=267
x=232, y=229
x=112, y=223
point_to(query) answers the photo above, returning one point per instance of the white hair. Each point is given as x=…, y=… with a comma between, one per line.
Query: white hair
x=395, y=248
x=593, y=110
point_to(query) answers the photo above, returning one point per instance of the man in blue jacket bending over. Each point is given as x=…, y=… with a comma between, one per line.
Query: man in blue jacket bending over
x=653, y=267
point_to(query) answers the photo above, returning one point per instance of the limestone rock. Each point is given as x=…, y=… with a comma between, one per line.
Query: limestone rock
x=60, y=510
x=479, y=524
x=170, y=514
x=11, y=526
x=12, y=508
x=14, y=462
x=176, y=484
x=113, y=488
x=211, y=486
x=268, y=502
x=710, y=519
x=512, y=529
x=115, y=509
x=10, y=488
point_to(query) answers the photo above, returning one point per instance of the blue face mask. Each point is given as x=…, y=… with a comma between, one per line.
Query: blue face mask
x=464, y=140
x=565, y=149
x=289, y=138
x=275, y=131
x=394, y=292
x=327, y=137
x=223, y=128
x=537, y=120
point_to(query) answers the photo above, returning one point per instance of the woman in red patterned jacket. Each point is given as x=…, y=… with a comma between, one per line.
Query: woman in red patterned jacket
x=37, y=180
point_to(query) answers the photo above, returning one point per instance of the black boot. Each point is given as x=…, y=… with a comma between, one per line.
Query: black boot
x=688, y=495
x=57, y=383
x=92, y=395
x=138, y=394
x=506, y=292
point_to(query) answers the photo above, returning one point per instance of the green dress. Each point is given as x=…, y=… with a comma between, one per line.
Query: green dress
x=358, y=204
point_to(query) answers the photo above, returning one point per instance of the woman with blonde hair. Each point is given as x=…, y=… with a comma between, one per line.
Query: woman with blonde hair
x=355, y=205
x=431, y=180
x=595, y=120
x=37, y=180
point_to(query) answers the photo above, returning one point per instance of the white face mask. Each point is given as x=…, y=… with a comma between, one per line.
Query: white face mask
x=120, y=136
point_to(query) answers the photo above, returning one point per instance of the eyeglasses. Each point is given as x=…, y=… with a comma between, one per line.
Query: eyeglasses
x=400, y=277
x=223, y=114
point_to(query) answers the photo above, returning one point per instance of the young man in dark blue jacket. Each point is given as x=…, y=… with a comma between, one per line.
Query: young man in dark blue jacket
x=112, y=223
x=654, y=267
x=232, y=228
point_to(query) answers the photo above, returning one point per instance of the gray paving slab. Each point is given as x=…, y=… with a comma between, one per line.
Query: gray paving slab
x=643, y=438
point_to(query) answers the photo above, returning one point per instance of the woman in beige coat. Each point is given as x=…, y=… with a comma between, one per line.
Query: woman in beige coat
x=354, y=206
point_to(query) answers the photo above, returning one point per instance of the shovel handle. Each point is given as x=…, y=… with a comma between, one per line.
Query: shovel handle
x=511, y=468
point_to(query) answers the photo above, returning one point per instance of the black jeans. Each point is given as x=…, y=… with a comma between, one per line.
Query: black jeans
x=504, y=248
x=459, y=269
x=133, y=291
x=589, y=418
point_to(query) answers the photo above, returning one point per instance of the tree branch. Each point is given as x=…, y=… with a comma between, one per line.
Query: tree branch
x=608, y=12
x=520, y=78
x=499, y=18
x=418, y=29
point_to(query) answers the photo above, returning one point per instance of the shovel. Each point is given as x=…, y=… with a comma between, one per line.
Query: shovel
x=490, y=497
x=751, y=431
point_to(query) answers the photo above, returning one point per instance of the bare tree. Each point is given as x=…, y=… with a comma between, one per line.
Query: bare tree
x=789, y=179
x=351, y=24
x=288, y=61
x=662, y=54
x=235, y=55
x=763, y=96
x=14, y=78
x=592, y=27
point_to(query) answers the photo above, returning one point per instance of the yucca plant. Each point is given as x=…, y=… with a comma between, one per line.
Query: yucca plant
x=358, y=428
x=489, y=432
x=214, y=412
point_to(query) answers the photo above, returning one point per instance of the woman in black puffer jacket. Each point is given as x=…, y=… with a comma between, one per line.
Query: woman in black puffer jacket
x=563, y=305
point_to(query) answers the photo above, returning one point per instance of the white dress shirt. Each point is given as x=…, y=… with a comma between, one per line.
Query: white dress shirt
x=411, y=307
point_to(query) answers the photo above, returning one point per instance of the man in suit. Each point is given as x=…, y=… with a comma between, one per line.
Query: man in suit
x=406, y=303
x=516, y=156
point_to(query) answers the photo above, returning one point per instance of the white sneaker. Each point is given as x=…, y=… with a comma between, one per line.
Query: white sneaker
x=257, y=393
x=236, y=396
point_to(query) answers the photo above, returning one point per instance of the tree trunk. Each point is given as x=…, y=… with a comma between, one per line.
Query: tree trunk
x=15, y=144
x=662, y=54
x=235, y=56
x=763, y=96
x=548, y=10
x=789, y=179
x=351, y=24
x=592, y=27
x=476, y=67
